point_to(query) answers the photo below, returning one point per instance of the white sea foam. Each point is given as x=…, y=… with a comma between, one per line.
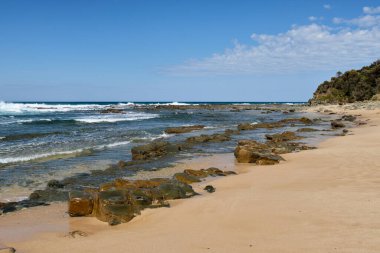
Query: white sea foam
x=38, y=156
x=20, y=108
x=116, y=118
x=8, y=160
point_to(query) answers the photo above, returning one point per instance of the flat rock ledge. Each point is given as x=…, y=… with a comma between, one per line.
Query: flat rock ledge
x=121, y=200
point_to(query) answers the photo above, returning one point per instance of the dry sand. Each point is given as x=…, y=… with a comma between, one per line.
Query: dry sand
x=324, y=200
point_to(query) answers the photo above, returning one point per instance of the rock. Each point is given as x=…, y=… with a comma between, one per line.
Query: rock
x=253, y=126
x=8, y=207
x=154, y=150
x=302, y=120
x=208, y=138
x=76, y=233
x=115, y=207
x=175, y=191
x=209, y=188
x=112, y=110
x=196, y=173
x=7, y=250
x=122, y=164
x=55, y=184
x=231, y=131
x=350, y=118
x=255, y=152
x=183, y=129
x=306, y=129
x=285, y=136
x=337, y=124
x=186, y=178
x=345, y=131
x=80, y=204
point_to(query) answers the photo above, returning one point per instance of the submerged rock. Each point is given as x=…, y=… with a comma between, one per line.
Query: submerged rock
x=183, y=129
x=154, y=150
x=306, y=129
x=337, y=124
x=208, y=138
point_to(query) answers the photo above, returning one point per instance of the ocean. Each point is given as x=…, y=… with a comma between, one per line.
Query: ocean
x=43, y=141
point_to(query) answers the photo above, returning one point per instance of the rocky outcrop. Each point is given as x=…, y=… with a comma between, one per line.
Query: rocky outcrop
x=250, y=151
x=209, y=138
x=121, y=200
x=277, y=124
x=285, y=136
x=154, y=150
x=351, y=86
x=183, y=129
x=253, y=126
x=112, y=110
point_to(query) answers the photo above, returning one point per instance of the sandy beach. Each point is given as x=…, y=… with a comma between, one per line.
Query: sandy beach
x=323, y=200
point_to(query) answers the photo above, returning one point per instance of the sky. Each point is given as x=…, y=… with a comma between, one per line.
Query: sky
x=167, y=50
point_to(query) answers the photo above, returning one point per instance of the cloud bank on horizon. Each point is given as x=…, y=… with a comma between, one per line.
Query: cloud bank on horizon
x=342, y=44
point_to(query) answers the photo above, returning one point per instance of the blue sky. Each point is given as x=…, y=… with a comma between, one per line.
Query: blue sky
x=180, y=50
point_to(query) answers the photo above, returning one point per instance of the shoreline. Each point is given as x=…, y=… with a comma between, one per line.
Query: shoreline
x=243, y=214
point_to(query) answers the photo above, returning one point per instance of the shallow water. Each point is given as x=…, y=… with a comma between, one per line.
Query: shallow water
x=44, y=141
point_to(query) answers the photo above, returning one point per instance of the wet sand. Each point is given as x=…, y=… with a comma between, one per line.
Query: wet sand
x=323, y=200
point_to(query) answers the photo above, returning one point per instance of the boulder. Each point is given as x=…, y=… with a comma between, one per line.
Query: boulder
x=249, y=151
x=55, y=184
x=337, y=124
x=183, y=129
x=80, y=204
x=209, y=188
x=115, y=206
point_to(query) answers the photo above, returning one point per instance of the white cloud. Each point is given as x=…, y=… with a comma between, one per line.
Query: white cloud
x=363, y=21
x=327, y=6
x=371, y=10
x=312, y=47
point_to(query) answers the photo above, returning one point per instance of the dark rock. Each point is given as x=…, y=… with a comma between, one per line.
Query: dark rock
x=186, y=178
x=175, y=191
x=252, y=126
x=306, y=129
x=302, y=120
x=55, y=184
x=285, y=136
x=349, y=118
x=115, y=207
x=337, y=124
x=154, y=150
x=7, y=250
x=112, y=110
x=183, y=129
x=209, y=188
x=208, y=138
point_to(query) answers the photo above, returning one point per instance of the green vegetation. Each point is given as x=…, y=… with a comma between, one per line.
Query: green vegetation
x=351, y=86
